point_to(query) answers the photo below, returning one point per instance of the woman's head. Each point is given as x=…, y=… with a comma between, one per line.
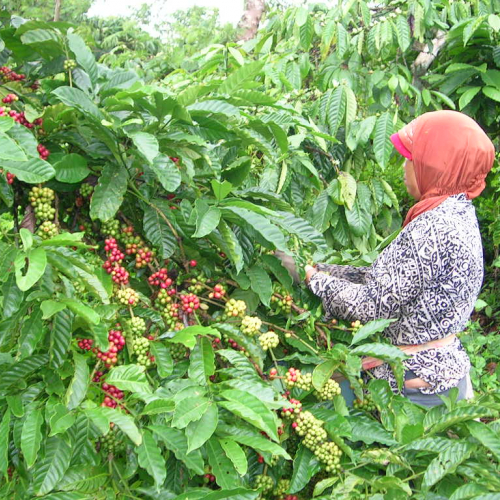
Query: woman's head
x=447, y=153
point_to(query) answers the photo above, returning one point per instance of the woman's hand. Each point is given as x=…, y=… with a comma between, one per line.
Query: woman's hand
x=310, y=270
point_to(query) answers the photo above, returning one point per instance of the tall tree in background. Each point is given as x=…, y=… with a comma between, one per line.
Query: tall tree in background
x=249, y=23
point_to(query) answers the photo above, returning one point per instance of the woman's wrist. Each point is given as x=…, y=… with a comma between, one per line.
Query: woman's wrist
x=310, y=271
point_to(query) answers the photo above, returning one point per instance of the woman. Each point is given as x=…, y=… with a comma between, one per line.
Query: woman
x=430, y=276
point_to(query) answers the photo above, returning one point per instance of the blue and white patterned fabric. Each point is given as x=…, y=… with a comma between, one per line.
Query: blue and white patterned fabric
x=428, y=279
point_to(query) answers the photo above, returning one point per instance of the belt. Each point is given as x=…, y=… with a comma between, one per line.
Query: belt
x=369, y=362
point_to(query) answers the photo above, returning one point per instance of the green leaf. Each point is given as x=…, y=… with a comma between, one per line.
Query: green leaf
x=60, y=337
x=4, y=443
x=146, y=144
x=222, y=468
x=262, y=445
x=359, y=220
x=51, y=307
x=202, y=361
x=77, y=389
x=159, y=406
x=302, y=228
x=232, y=246
x=163, y=359
x=382, y=145
x=129, y=378
x=82, y=310
x=494, y=22
x=236, y=80
x=109, y=192
x=261, y=283
x=125, y=422
x=10, y=150
x=375, y=326
x=52, y=468
x=221, y=189
x=444, y=98
x=61, y=420
x=323, y=372
x=471, y=27
x=31, y=436
x=305, y=466
x=206, y=222
x=20, y=370
x=200, y=431
x=446, y=463
x=492, y=93
x=235, y=453
x=159, y=232
x=486, y=436
x=252, y=409
x=336, y=109
x=189, y=410
x=151, y=459
x=386, y=352
x=37, y=262
x=75, y=98
x=369, y=431
x=456, y=416
x=348, y=188
x=176, y=441
x=467, y=97
x=306, y=32
x=85, y=480
x=83, y=56
x=72, y=168
x=167, y=172
x=213, y=107
x=403, y=33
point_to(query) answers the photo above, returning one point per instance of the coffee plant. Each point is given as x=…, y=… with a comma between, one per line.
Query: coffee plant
x=152, y=344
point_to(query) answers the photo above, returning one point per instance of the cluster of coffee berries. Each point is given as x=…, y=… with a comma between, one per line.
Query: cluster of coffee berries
x=97, y=377
x=141, y=350
x=329, y=453
x=281, y=488
x=85, y=344
x=328, y=391
x=69, y=64
x=178, y=351
x=273, y=373
x=208, y=478
x=86, y=189
x=160, y=278
x=366, y=404
x=163, y=298
x=235, y=308
x=112, y=442
x=19, y=117
x=218, y=292
x=110, y=357
x=310, y=429
x=10, y=98
x=41, y=199
x=269, y=340
x=113, y=394
x=295, y=378
x=43, y=152
x=115, y=255
x=111, y=228
x=291, y=413
x=356, y=325
x=10, y=76
x=283, y=305
x=197, y=284
x=170, y=314
x=265, y=483
x=117, y=339
x=10, y=178
x=119, y=274
x=190, y=303
x=143, y=257
x=137, y=326
x=127, y=296
x=250, y=325
x=47, y=230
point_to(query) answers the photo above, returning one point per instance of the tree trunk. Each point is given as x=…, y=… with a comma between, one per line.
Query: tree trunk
x=249, y=22
x=57, y=10
x=426, y=57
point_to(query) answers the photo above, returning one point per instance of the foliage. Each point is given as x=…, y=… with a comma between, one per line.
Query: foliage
x=152, y=345
x=71, y=10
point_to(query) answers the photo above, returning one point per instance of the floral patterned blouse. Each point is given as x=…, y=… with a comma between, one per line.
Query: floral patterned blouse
x=428, y=279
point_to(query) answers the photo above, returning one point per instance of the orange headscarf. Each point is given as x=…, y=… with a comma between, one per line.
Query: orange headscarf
x=451, y=155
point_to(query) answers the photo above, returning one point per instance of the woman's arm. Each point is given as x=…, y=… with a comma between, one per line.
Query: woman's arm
x=349, y=273
x=391, y=284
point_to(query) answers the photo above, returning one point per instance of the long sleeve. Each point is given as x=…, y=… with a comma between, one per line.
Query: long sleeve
x=393, y=283
x=348, y=273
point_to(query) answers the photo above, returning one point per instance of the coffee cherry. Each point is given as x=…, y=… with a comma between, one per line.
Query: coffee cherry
x=143, y=257
x=141, y=350
x=85, y=344
x=170, y=314
x=69, y=64
x=10, y=98
x=281, y=488
x=97, y=376
x=269, y=340
x=328, y=391
x=273, y=373
x=137, y=326
x=235, y=308
x=47, y=230
x=356, y=325
x=196, y=285
x=218, y=292
x=116, y=337
x=110, y=357
x=41, y=199
x=366, y=405
x=118, y=273
x=291, y=413
x=160, y=278
x=193, y=263
x=86, y=190
x=178, y=351
x=295, y=378
x=10, y=178
x=310, y=429
x=283, y=305
x=190, y=303
x=329, y=454
x=250, y=325
x=265, y=483
x=43, y=152
x=110, y=228
x=127, y=296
